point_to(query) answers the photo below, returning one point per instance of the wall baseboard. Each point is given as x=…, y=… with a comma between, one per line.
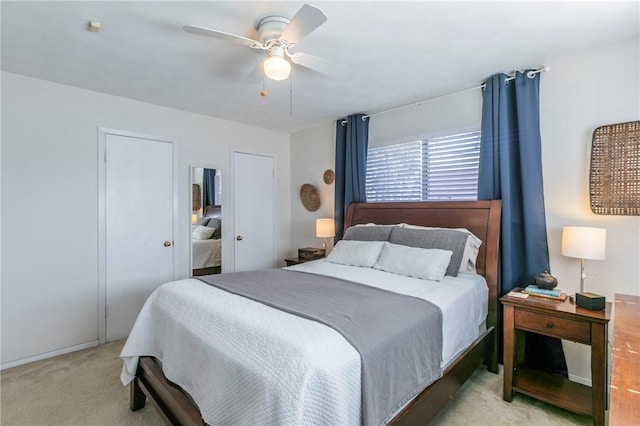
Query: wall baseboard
x=46, y=355
x=580, y=380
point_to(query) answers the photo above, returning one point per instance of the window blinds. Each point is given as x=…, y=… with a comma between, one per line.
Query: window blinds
x=217, y=189
x=394, y=172
x=442, y=168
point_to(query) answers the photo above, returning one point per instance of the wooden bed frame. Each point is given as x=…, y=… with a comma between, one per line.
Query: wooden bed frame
x=480, y=217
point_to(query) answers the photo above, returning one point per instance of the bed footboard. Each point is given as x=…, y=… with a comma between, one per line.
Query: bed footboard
x=168, y=399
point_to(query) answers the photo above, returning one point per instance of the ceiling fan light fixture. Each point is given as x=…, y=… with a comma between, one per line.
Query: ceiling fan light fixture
x=277, y=68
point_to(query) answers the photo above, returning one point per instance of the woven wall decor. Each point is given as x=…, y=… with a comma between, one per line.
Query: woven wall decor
x=197, y=197
x=614, y=178
x=329, y=176
x=310, y=197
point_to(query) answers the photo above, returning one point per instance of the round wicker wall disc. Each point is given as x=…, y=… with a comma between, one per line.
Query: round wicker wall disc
x=328, y=176
x=310, y=197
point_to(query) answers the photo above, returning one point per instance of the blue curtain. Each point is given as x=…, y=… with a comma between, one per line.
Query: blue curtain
x=208, y=188
x=352, y=140
x=511, y=170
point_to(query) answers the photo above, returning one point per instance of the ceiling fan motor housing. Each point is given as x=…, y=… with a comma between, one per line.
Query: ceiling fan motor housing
x=270, y=27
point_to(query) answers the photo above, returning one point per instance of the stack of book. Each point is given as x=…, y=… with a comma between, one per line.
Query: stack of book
x=556, y=293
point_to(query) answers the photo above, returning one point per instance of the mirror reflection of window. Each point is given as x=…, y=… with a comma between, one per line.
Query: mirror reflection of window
x=206, y=229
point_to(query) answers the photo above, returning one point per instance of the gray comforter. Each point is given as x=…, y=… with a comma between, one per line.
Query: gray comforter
x=399, y=337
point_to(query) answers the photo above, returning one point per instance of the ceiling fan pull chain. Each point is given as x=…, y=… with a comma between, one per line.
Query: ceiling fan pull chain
x=263, y=92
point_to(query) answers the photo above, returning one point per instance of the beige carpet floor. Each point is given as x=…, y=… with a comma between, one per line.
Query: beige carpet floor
x=83, y=388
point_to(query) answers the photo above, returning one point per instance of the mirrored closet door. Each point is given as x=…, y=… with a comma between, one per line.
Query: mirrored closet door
x=206, y=220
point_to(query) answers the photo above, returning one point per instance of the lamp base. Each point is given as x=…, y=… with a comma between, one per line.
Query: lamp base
x=591, y=301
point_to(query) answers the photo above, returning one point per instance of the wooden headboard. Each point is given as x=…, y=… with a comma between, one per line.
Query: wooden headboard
x=212, y=211
x=480, y=217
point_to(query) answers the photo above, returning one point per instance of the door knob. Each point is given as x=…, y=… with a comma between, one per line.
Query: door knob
x=167, y=243
x=239, y=238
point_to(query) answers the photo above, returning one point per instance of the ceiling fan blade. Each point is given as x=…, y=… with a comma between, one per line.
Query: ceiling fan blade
x=318, y=64
x=194, y=29
x=303, y=23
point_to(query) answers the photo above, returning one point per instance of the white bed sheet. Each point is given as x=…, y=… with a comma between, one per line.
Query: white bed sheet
x=206, y=253
x=243, y=362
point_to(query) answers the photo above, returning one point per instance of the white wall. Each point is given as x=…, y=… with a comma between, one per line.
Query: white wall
x=312, y=152
x=461, y=110
x=577, y=95
x=49, y=200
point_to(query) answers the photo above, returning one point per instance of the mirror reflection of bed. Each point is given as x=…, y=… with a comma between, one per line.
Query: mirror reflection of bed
x=206, y=221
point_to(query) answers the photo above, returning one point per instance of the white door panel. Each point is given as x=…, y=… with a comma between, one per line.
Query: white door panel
x=138, y=226
x=254, y=206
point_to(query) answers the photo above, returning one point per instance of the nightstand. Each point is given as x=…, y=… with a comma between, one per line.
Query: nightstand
x=564, y=320
x=294, y=261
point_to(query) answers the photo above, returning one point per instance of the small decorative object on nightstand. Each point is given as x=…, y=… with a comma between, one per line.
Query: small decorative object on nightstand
x=305, y=255
x=310, y=253
x=564, y=320
x=592, y=301
x=545, y=281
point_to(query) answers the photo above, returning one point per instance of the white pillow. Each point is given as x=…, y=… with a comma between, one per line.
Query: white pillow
x=202, y=233
x=356, y=253
x=427, y=264
x=471, y=248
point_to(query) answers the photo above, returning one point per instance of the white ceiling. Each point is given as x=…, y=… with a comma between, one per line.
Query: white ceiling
x=394, y=52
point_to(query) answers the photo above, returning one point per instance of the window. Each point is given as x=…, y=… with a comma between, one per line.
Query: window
x=442, y=168
x=217, y=188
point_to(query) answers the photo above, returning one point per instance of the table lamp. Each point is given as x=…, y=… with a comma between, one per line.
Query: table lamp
x=325, y=228
x=584, y=243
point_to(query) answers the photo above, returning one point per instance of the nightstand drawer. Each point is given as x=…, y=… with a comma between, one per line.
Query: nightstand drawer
x=577, y=331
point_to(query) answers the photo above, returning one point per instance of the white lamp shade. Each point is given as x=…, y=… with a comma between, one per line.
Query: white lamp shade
x=277, y=68
x=325, y=228
x=583, y=242
x=194, y=218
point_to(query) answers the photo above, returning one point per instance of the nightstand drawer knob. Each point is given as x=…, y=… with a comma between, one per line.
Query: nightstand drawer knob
x=239, y=238
x=549, y=324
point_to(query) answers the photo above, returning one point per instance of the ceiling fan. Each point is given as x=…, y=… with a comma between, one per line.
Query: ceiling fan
x=278, y=35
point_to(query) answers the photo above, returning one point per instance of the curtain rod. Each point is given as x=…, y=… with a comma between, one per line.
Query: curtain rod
x=530, y=74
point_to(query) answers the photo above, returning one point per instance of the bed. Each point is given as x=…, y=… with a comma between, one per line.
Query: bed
x=207, y=253
x=482, y=218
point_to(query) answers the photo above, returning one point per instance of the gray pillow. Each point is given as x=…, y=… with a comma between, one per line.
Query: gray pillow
x=444, y=239
x=368, y=233
x=216, y=223
x=203, y=221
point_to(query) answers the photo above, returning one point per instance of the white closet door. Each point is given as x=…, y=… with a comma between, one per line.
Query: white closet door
x=139, y=226
x=254, y=207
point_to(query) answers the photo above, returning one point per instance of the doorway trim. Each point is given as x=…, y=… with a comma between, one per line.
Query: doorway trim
x=102, y=279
